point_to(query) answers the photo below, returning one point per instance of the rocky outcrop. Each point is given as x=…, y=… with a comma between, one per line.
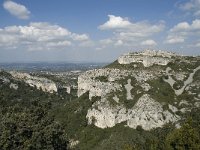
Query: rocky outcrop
x=88, y=81
x=4, y=79
x=14, y=86
x=171, y=81
x=103, y=115
x=149, y=114
x=121, y=86
x=40, y=83
x=147, y=58
x=146, y=113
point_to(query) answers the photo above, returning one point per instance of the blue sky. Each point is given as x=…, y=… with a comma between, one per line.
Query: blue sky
x=96, y=30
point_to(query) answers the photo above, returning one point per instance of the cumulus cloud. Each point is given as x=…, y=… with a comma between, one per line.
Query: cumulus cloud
x=149, y=43
x=39, y=36
x=18, y=10
x=78, y=37
x=115, y=22
x=174, y=39
x=129, y=33
x=182, y=31
x=180, y=27
x=192, y=6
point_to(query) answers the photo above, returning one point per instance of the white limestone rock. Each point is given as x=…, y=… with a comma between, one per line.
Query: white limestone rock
x=14, y=86
x=128, y=88
x=87, y=82
x=105, y=115
x=43, y=83
x=116, y=99
x=4, y=79
x=189, y=80
x=149, y=114
x=146, y=113
x=173, y=108
x=147, y=58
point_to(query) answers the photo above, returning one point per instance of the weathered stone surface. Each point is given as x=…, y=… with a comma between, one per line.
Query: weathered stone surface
x=87, y=81
x=149, y=114
x=189, y=80
x=146, y=110
x=147, y=58
x=146, y=113
x=14, y=86
x=43, y=83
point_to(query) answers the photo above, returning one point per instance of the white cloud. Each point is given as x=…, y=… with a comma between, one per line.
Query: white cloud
x=180, y=27
x=182, y=31
x=186, y=27
x=174, y=40
x=106, y=41
x=195, y=24
x=80, y=37
x=129, y=33
x=18, y=10
x=193, y=6
x=149, y=43
x=39, y=36
x=115, y=22
x=119, y=43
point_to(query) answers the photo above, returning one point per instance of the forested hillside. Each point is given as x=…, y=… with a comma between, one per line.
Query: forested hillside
x=33, y=119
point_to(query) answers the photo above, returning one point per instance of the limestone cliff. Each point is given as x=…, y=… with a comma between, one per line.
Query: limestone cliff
x=147, y=58
x=145, y=89
x=45, y=84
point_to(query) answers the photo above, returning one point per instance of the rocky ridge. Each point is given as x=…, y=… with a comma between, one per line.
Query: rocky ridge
x=148, y=58
x=142, y=89
x=45, y=84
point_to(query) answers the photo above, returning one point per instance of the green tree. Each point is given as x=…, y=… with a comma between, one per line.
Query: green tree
x=31, y=128
x=185, y=138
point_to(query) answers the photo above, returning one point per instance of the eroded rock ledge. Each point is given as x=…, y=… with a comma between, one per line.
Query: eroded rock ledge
x=45, y=84
x=147, y=58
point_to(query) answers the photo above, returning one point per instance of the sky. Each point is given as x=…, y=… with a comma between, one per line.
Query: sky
x=96, y=30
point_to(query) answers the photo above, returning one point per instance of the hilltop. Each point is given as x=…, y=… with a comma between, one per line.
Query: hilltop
x=147, y=89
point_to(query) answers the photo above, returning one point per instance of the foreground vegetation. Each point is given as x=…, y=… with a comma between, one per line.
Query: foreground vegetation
x=31, y=119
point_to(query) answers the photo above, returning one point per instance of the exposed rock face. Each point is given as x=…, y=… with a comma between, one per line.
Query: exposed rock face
x=146, y=113
x=43, y=83
x=130, y=94
x=129, y=87
x=149, y=114
x=4, y=80
x=87, y=82
x=186, y=82
x=105, y=115
x=147, y=58
x=14, y=86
